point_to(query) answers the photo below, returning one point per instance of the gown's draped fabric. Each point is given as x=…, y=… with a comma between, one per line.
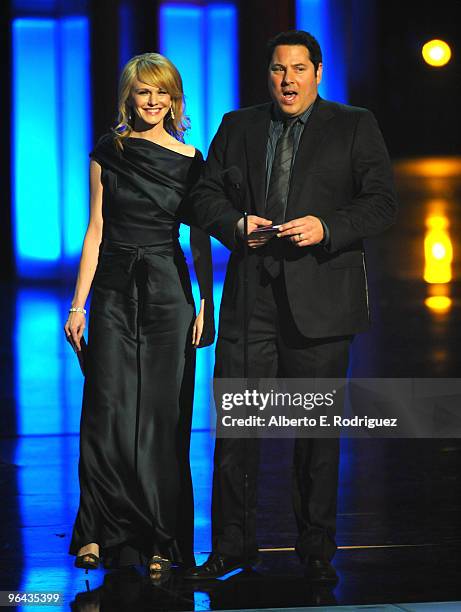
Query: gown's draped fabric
x=136, y=491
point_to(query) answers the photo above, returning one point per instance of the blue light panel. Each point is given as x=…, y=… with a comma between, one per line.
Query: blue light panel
x=202, y=42
x=181, y=37
x=126, y=36
x=323, y=19
x=48, y=381
x=75, y=131
x=38, y=387
x=222, y=77
x=36, y=155
x=51, y=139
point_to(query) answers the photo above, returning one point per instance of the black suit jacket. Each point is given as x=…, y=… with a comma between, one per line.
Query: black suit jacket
x=341, y=173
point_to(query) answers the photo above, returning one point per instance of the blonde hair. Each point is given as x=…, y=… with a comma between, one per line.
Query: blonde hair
x=155, y=70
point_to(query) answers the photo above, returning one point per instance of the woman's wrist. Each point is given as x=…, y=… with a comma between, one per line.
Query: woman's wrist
x=77, y=309
x=78, y=301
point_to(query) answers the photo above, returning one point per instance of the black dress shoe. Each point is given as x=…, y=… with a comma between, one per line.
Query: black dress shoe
x=216, y=566
x=320, y=571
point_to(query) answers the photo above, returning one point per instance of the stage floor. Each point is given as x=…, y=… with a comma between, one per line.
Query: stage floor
x=399, y=513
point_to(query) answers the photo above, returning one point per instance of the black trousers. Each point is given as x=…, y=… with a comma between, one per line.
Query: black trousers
x=276, y=348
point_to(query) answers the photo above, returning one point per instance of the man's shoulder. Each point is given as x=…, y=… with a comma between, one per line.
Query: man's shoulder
x=342, y=110
x=247, y=114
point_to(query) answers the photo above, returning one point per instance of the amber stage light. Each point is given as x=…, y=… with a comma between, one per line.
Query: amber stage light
x=436, y=53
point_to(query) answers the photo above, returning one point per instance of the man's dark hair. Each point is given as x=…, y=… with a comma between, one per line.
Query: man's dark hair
x=296, y=37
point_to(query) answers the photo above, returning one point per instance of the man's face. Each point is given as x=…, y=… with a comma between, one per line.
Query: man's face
x=293, y=83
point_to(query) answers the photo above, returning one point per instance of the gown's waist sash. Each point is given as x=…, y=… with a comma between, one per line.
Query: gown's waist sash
x=124, y=267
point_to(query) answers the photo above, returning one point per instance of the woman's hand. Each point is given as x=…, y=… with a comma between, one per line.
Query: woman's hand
x=74, y=329
x=197, y=329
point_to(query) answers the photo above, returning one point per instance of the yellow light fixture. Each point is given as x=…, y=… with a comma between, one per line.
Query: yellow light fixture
x=436, y=53
x=438, y=250
x=438, y=303
x=429, y=167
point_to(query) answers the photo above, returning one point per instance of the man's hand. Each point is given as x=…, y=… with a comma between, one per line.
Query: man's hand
x=253, y=223
x=302, y=232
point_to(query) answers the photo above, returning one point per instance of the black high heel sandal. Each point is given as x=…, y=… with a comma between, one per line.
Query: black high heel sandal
x=87, y=561
x=164, y=565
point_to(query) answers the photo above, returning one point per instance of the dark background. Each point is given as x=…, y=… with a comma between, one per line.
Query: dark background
x=417, y=107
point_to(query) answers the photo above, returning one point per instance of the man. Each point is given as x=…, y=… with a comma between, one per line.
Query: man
x=320, y=169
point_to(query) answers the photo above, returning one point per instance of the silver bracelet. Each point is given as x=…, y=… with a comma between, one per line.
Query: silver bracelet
x=78, y=309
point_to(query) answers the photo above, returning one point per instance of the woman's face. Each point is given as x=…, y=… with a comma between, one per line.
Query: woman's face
x=150, y=103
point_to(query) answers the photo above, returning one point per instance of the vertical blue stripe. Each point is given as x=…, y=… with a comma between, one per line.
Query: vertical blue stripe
x=324, y=19
x=38, y=383
x=182, y=41
x=48, y=381
x=126, y=35
x=36, y=189
x=202, y=42
x=75, y=131
x=51, y=138
x=222, y=73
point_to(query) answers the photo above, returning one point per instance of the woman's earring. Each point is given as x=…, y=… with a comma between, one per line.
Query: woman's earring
x=171, y=112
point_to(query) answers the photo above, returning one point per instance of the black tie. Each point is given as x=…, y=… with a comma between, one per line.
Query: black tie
x=277, y=194
x=279, y=181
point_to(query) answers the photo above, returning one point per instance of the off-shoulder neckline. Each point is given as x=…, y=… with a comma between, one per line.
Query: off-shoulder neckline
x=151, y=142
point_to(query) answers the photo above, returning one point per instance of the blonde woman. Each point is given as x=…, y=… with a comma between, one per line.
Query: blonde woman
x=136, y=501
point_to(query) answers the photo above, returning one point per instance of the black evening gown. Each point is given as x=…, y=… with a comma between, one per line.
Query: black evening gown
x=135, y=482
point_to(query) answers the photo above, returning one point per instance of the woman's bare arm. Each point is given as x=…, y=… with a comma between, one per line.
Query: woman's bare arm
x=201, y=254
x=75, y=324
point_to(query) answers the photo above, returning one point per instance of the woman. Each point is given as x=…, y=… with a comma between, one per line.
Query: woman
x=136, y=494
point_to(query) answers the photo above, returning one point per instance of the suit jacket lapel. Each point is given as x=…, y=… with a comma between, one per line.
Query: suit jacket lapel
x=256, y=145
x=314, y=132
